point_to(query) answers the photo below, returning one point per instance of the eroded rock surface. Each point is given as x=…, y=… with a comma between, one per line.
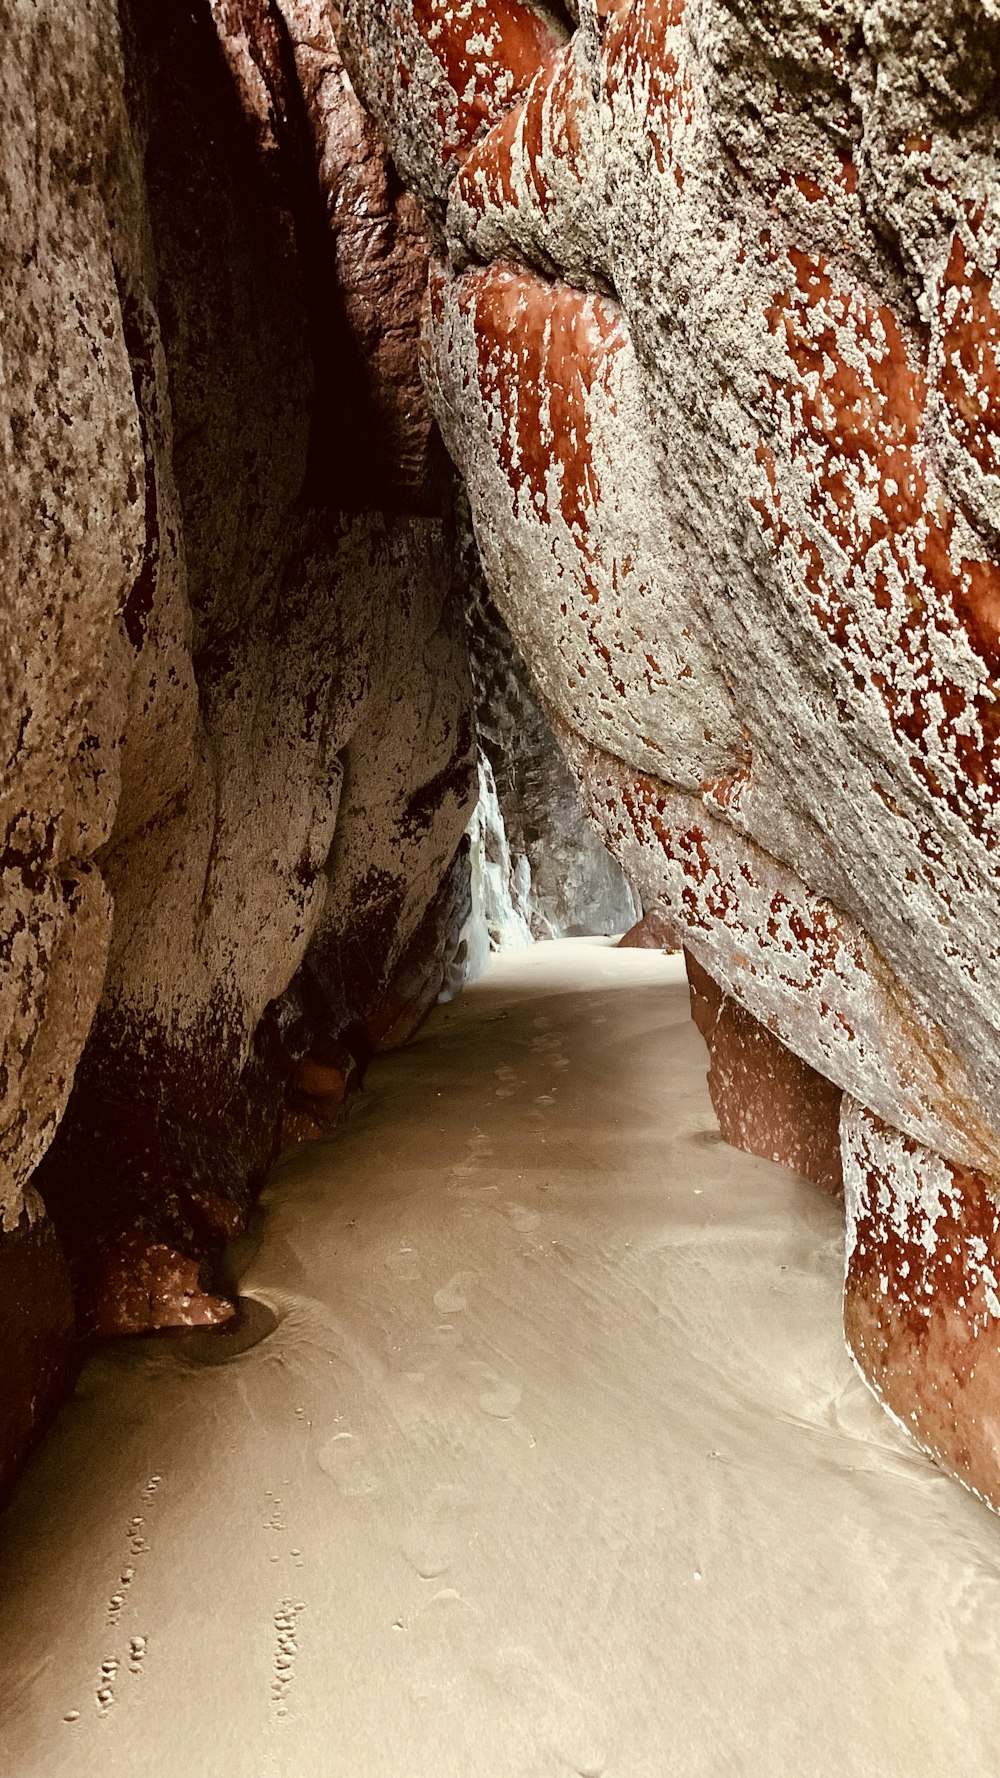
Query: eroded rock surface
x=560, y=881
x=238, y=731
x=713, y=336
x=768, y=1101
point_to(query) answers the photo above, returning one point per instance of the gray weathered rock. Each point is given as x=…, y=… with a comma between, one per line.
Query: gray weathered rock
x=563, y=882
x=714, y=337
x=235, y=627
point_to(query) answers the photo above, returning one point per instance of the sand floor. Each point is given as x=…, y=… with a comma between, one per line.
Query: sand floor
x=551, y=1462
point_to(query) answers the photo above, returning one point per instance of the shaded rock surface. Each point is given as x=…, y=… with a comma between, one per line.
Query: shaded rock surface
x=238, y=722
x=651, y=933
x=564, y=882
x=37, y=1331
x=768, y=1101
x=713, y=336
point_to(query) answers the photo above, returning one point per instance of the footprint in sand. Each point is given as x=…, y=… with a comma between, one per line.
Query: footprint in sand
x=564, y=1722
x=429, y=1544
x=498, y=1398
x=503, y=1401
x=523, y=1219
x=405, y=1265
x=428, y=1550
x=451, y=1298
x=344, y=1459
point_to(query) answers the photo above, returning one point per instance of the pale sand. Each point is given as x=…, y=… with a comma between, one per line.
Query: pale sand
x=555, y=1463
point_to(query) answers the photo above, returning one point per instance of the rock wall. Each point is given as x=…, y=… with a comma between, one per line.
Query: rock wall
x=237, y=721
x=560, y=879
x=714, y=336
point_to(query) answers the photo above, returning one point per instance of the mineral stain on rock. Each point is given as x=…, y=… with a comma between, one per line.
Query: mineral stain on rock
x=713, y=343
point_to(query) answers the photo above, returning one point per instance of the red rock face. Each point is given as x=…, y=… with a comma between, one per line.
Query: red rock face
x=767, y=1100
x=969, y=348
x=135, y=1284
x=455, y=70
x=854, y=414
x=542, y=352
x=525, y=191
x=651, y=933
x=327, y=1072
x=715, y=344
x=922, y=1297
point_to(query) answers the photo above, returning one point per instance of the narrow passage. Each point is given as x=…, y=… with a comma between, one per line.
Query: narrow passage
x=536, y=1452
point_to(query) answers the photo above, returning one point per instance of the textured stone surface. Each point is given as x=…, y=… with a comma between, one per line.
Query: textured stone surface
x=95, y=628
x=579, y=553
x=922, y=1296
x=713, y=339
x=561, y=882
x=237, y=711
x=652, y=933
x=359, y=232
x=767, y=1100
x=802, y=966
x=456, y=69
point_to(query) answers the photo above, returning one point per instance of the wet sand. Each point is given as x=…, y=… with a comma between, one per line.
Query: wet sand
x=536, y=1452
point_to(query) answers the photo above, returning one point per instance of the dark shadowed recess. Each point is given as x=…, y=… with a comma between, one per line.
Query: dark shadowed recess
x=163, y=1147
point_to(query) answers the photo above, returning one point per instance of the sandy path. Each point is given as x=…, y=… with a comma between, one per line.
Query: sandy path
x=553, y=1464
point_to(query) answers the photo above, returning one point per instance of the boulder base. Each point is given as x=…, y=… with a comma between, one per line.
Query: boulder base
x=36, y=1335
